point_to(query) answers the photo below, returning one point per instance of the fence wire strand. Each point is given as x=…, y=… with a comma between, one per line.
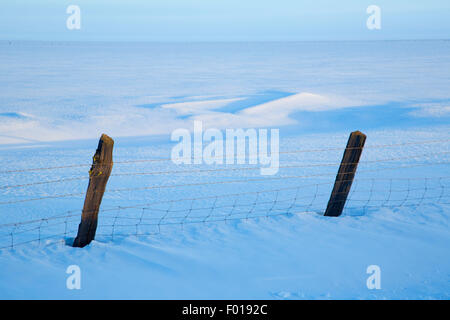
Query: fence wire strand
x=281, y=152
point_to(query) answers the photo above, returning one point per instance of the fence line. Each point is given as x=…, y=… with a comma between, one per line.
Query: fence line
x=224, y=170
x=150, y=217
x=280, y=167
x=281, y=152
x=371, y=190
x=219, y=182
x=142, y=223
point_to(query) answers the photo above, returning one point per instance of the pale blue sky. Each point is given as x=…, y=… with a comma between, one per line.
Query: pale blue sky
x=224, y=20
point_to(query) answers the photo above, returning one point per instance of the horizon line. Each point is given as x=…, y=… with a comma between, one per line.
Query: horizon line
x=220, y=41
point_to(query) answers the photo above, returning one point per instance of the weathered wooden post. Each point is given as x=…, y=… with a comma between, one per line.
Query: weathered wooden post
x=346, y=173
x=98, y=177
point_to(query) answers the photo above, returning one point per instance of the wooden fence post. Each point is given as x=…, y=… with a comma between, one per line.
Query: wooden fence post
x=346, y=173
x=98, y=177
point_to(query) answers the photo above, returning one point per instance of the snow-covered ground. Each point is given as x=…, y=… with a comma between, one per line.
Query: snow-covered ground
x=179, y=233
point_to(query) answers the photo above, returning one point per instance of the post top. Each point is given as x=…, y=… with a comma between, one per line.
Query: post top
x=358, y=133
x=106, y=139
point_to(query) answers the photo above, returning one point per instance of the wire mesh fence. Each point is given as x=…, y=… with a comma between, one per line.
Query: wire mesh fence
x=188, y=196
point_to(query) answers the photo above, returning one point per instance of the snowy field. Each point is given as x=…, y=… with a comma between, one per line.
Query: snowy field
x=171, y=231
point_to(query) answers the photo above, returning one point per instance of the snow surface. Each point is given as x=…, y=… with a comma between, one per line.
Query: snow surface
x=53, y=91
x=397, y=218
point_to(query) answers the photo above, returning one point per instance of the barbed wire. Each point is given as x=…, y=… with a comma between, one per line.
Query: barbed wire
x=295, y=166
x=280, y=152
x=226, y=169
x=221, y=182
x=43, y=182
